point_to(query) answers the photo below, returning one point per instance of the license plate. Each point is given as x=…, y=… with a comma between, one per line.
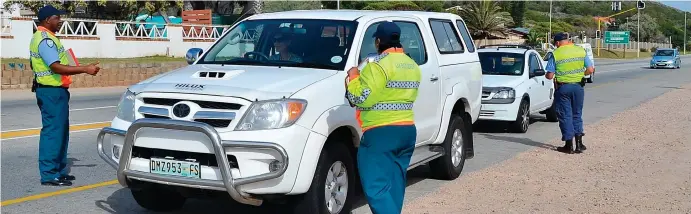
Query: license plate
x=661, y=64
x=174, y=167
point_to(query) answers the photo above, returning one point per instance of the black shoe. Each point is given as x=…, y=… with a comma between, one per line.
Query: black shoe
x=579, y=142
x=56, y=182
x=568, y=148
x=67, y=178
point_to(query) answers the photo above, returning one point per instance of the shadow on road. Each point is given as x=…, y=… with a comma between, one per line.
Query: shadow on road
x=121, y=201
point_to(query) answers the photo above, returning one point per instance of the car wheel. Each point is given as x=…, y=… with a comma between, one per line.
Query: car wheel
x=158, y=198
x=333, y=187
x=450, y=165
x=522, y=118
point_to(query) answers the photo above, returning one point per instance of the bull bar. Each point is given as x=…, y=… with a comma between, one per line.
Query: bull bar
x=228, y=183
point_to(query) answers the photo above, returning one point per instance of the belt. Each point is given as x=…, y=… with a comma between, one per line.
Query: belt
x=39, y=85
x=562, y=83
x=36, y=85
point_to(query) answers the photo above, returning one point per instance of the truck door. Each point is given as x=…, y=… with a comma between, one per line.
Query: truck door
x=427, y=107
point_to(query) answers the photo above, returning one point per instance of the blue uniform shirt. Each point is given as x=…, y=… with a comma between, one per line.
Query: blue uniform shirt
x=48, y=51
x=552, y=67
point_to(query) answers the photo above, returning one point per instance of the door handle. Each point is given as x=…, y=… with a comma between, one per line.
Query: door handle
x=543, y=82
x=434, y=78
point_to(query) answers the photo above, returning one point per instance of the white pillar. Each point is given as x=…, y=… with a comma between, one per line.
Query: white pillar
x=106, y=34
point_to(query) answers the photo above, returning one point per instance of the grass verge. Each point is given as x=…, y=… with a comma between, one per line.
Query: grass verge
x=609, y=54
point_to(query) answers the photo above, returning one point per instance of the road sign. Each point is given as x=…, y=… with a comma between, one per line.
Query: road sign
x=616, y=6
x=616, y=37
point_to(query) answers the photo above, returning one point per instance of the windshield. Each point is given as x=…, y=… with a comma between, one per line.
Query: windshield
x=495, y=63
x=664, y=53
x=321, y=44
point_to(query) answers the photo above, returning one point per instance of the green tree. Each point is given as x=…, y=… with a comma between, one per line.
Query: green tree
x=435, y=6
x=649, y=28
x=101, y=8
x=485, y=18
x=285, y=5
x=518, y=12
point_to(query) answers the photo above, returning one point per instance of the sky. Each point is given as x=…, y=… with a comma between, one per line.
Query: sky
x=679, y=4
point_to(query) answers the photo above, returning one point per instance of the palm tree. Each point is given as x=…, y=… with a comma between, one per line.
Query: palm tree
x=485, y=18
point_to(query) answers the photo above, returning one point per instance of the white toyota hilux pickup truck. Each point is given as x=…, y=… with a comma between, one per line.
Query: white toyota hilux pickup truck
x=261, y=114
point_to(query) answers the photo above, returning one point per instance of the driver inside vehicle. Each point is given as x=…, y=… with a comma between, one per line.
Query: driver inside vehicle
x=282, y=42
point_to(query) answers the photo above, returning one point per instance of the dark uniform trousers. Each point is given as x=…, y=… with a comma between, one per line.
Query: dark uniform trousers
x=52, y=153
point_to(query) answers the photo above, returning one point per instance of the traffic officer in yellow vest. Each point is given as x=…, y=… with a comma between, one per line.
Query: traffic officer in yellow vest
x=49, y=61
x=568, y=65
x=384, y=93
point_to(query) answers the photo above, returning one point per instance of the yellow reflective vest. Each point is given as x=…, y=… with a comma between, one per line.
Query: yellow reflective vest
x=385, y=90
x=570, y=63
x=42, y=72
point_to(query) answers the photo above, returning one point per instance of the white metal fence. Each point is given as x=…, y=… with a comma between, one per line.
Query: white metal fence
x=5, y=26
x=111, y=39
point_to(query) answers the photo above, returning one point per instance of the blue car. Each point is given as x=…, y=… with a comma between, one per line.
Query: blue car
x=666, y=58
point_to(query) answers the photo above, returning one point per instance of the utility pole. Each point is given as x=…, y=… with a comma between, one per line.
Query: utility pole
x=550, y=21
x=684, y=32
x=338, y=4
x=639, y=5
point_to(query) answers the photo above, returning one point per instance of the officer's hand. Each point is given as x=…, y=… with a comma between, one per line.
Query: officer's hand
x=353, y=71
x=93, y=68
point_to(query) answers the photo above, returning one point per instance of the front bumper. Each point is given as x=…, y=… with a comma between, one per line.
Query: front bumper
x=228, y=183
x=663, y=65
x=499, y=112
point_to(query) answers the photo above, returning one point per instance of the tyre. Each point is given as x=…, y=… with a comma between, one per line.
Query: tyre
x=450, y=165
x=522, y=118
x=551, y=114
x=158, y=198
x=333, y=187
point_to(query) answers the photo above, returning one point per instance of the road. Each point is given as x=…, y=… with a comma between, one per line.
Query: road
x=618, y=86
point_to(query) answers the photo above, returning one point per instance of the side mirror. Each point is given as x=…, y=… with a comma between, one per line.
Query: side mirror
x=193, y=54
x=537, y=73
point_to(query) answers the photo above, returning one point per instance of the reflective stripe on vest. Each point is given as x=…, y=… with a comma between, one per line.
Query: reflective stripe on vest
x=388, y=107
x=392, y=101
x=41, y=69
x=390, y=84
x=570, y=63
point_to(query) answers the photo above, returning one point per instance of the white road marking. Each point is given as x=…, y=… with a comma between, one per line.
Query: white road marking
x=70, y=125
x=14, y=138
x=83, y=109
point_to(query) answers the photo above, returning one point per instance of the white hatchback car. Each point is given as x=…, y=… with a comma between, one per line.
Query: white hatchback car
x=514, y=86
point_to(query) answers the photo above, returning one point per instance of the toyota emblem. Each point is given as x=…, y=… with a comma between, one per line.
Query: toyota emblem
x=181, y=110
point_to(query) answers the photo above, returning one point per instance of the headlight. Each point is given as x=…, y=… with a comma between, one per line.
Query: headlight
x=126, y=106
x=505, y=94
x=271, y=114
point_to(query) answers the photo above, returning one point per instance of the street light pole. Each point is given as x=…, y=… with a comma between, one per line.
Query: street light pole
x=638, y=35
x=550, y=21
x=684, y=32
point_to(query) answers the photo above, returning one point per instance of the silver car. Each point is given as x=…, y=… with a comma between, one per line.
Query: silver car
x=666, y=58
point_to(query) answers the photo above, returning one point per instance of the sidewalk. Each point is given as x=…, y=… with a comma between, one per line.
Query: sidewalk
x=638, y=161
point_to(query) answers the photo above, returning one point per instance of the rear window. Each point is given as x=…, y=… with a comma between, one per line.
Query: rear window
x=495, y=63
x=466, y=36
x=446, y=37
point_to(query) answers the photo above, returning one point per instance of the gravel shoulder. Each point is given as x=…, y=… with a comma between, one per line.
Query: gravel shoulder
x=638, y=161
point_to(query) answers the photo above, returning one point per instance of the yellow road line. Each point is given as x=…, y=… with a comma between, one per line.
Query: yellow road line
x=37, y=131
x=56, y=193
